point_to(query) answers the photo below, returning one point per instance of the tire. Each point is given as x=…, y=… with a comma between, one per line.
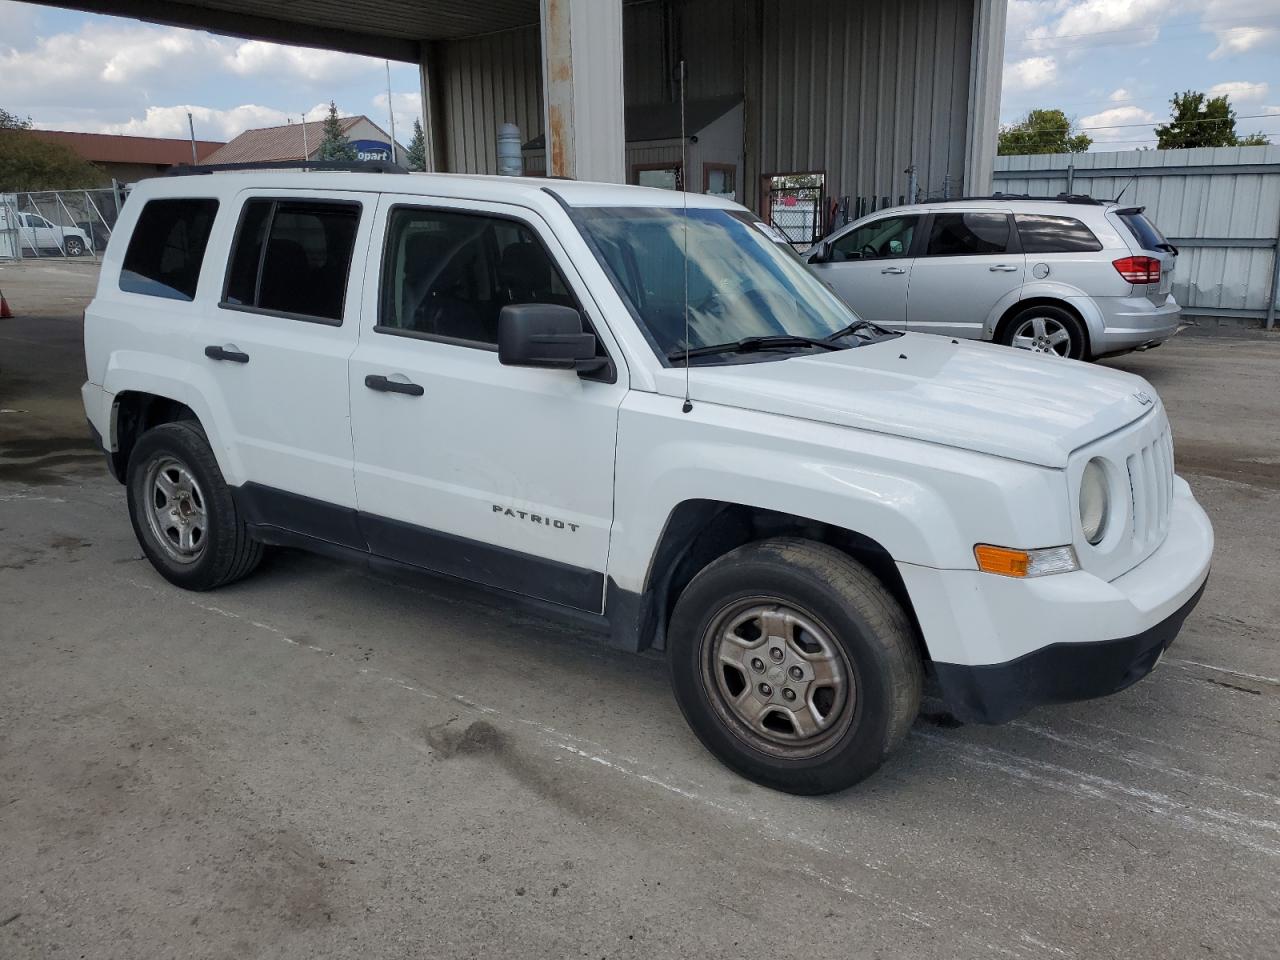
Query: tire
x=1037, y=328
x=197, y=499
x=836, y=616
x=75, y=247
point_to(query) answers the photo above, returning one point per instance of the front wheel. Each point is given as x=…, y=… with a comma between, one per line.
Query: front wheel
x=794, y=665
x=182, y=511
x=75, y=247
x=1047, y=329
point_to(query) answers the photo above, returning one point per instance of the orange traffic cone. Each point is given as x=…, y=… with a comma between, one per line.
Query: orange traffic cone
x=5, y=312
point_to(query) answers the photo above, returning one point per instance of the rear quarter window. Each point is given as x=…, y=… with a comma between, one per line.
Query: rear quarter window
x=1144, y=231
x=1045, y=234
x=166, y=249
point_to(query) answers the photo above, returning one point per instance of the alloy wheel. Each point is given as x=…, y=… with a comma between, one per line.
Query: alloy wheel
x=1042, y=335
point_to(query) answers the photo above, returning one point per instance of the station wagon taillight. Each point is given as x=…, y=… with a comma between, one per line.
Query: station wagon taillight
x=1138, y=269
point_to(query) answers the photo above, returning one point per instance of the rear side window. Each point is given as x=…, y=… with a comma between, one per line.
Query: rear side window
x=1041, y=234
x=968, y=234
x=293, y=257
x=1147, y=233
x=167, y=248
x=448, y=275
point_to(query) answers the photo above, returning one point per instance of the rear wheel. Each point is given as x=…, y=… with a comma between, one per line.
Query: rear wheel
x=182, y=511
x=1047, y=329
x=794, y=665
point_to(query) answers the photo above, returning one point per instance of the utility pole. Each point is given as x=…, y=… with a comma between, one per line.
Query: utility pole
x=392, y=113
x=191, y=125
x=306, y=151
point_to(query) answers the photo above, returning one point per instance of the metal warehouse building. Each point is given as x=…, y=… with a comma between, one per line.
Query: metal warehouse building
x=870, y=98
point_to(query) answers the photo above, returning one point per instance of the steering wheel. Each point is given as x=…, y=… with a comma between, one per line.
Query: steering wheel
x=868, y=251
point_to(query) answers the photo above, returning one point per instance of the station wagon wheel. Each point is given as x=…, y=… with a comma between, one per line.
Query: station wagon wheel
x=794, y=665
x=777, y=677
x=1046, y=329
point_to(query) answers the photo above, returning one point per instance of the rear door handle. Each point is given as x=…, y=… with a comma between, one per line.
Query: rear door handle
x=1002, y=268
x=376, y=381
x=229, y=352
x=897, y=271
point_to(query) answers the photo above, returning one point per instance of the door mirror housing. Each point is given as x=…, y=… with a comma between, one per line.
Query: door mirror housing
x=546, y=335
x=821, y=253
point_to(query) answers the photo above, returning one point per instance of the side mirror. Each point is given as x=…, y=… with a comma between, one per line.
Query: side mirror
x=545, y=335
x=821, y=253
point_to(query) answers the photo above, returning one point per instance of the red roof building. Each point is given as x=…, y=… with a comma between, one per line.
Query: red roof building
x=127, y=159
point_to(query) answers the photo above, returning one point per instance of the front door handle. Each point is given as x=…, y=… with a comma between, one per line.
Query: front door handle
x=1002, y=268
x=376, y=381
x=229, y=352
x=896, y=271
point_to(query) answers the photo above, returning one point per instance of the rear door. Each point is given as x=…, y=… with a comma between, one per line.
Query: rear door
x=869, y=267
x=971, y=262
x=277, y=341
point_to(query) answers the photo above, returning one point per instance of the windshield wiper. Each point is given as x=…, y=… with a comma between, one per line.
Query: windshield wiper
x=854, y=327
x=752, y=344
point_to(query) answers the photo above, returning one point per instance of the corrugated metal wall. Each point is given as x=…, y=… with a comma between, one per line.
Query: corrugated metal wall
x=1219, y=205
x=860, y=91
x=486, y=81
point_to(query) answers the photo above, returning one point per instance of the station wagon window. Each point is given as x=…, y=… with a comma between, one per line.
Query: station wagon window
x=882, y=239
x=293, y=257
x=167, y=247
x=968, y=234
x=1044, y=234
x=448, y=275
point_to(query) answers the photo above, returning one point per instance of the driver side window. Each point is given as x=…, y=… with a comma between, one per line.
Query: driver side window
x=885, y=239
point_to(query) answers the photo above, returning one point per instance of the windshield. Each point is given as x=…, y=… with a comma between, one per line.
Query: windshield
x=743, y=282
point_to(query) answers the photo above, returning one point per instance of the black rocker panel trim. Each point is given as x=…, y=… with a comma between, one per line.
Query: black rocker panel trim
x=289, y=519
x=263, y=506
x=484, y=563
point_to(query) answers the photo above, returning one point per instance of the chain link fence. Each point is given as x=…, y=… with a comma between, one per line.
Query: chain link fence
x=70, y=224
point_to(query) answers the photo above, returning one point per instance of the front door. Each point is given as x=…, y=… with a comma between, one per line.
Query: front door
x=498, y=475
x=971, y=264
x=277, y=341
x=869, y=267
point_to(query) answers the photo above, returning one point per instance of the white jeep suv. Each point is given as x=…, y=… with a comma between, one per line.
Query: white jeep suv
x=1071, y=276
x=497, y=380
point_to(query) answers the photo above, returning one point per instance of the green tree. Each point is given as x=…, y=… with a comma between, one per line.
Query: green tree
x=11, y=121
x=335, y=144
x=30, y=163
x=1198, y=120
x=416, y=155
x=1042, y=131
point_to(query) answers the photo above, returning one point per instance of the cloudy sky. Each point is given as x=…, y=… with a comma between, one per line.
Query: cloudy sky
x=1112, y=64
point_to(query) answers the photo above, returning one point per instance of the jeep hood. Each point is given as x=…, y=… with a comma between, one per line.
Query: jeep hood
x=974, y=396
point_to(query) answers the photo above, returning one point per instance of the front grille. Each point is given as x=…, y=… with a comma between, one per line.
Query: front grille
x=1151, y=490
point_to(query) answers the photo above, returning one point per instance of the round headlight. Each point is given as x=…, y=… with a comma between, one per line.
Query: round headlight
x=1094, y=501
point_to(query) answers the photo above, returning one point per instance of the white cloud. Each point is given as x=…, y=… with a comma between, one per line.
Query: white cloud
x=1075, y=26
x=1117, y=124
x=210, y=123
x=1031, y=73
x=1271, y=111
x=1235, y=40
x=408, y=108
x=1119, y=95
x=259, y=58
x=1239, y=90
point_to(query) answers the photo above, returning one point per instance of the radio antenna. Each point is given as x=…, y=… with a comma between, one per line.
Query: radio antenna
x=684, y=197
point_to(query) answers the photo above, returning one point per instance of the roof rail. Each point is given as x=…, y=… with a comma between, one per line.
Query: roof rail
x=356, y=166
x=1080, y=198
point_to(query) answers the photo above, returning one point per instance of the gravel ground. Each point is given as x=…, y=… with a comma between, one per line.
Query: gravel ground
x=322, y=762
